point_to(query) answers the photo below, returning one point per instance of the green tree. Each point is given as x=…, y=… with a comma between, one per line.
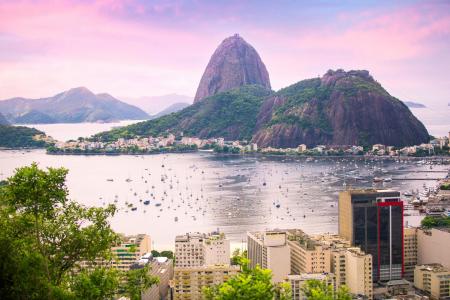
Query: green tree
x=137, y=281
x=248, y=284
x=321, y=290
x=44, y=236
x=100, y=283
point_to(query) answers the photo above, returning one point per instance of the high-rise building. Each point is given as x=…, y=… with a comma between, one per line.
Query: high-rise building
x=433, y=279
x=188, y=282
x=199, y=249
x=270, y=250
x=373, y=221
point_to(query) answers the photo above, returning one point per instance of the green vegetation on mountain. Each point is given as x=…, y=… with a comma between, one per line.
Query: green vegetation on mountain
x=231, y=114
x=44, y=237
x=297, y=95
x=339, y=108
x=20, y=137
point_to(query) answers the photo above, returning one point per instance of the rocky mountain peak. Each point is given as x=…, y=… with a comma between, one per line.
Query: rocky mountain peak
x=234, y=63
x=332, y=76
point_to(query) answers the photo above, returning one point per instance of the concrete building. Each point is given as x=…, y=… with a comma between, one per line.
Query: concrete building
x=373, y=220
x=296, y=282
x=410, y=252
x=358, y=272
x=188, y=282
x=328, y=253
x=307, y=254
x=130, y=250
x=270, y=250
x=433, y=279
x=160, y=267
x=433, y=246
x=198, y=249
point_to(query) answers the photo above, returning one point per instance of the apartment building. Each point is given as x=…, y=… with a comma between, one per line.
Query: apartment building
x=410, y=252
x=358, y=272
x=160, y=267
x=188, y=282
x=130, y=250
x=331, y=254
x=433, y=246
x=199, y=249
x=434, y=279
x=297, y=282
x=270, y=250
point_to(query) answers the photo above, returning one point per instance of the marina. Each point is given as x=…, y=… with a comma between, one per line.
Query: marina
x=164, y=195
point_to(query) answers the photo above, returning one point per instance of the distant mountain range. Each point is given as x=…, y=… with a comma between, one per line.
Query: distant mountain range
x=154, y=104
x=3, y=120
x=412, y=104
x=176, y=107
x=73, y=106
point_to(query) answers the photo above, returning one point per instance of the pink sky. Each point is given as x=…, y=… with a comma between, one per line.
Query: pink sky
x=141, y=48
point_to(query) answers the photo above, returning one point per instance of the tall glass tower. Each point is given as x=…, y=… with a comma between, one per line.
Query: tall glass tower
x=373, y=220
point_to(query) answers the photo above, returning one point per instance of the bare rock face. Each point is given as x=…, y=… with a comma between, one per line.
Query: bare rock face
x=234, y=63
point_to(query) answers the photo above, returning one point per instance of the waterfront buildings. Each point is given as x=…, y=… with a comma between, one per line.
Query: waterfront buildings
x=433, y=279
x=199, y=249
x=188, y=282
x=373, y=220
x=270, y=250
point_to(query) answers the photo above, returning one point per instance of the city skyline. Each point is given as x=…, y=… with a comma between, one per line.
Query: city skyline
x=138, y=48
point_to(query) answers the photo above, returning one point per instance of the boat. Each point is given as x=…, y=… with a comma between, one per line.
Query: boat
x=128, y=180
x=147, y=202
x=176, y=219
x=109, y=179
x=134, y=208
x=158, y=204
x=387, y=179
x=377, y=179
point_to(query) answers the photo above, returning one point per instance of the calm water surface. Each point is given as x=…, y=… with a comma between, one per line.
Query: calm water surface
x=204, y=191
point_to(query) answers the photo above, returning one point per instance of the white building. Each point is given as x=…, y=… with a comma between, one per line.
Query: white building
x=270, y=250
x=200, y=249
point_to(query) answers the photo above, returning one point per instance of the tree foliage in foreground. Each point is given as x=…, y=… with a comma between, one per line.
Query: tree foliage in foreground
x=321, y=290
x=249, y=284
x=44, y=236
x=432, y=222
